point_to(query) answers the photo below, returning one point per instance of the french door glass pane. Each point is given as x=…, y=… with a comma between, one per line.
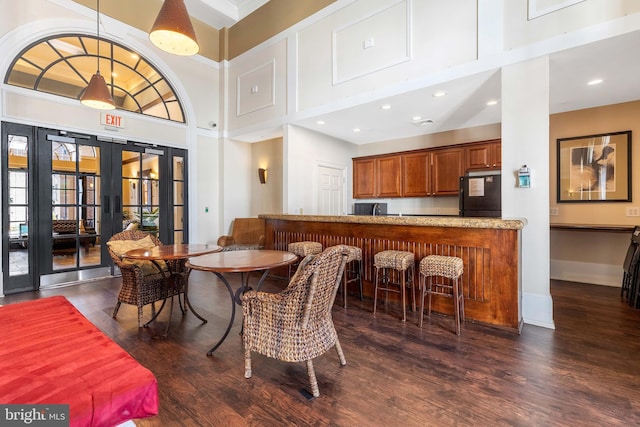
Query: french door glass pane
x=18, y=212
x=140, y=191
x=75, y=199
x=178, y=199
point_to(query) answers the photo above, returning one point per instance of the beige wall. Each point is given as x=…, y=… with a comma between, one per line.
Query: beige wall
x=267, y=198
x=612, y=118
x=272, y=18
x=592, y=257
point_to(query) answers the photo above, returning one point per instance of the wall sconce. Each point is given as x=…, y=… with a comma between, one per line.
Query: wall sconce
x=262, y=175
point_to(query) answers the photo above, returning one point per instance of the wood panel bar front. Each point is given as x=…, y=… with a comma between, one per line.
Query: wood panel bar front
x=489, y=248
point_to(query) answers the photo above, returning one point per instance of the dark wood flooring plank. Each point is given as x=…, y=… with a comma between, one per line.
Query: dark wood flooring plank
x=585, y=372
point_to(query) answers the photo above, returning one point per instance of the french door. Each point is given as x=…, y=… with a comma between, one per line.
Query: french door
x=64, y=195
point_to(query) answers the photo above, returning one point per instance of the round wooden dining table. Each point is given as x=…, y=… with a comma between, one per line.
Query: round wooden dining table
x=242, y=261
x=176, y=274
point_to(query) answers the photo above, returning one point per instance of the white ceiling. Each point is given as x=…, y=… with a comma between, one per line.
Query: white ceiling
x=615, y=61
x=222, y=13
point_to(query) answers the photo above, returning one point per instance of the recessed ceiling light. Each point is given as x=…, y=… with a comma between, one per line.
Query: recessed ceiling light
x=492, y=102
x=386, y=107
x=320, y=122
x=416, y=118
x=595, y=82
x=356, y=129
x=423, y=122
x=439, y=94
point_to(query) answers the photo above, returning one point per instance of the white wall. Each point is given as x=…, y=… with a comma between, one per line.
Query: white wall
x=194, y=79
x=525, y=135
x=303, y=151
x=236, y=182
x=205, y=185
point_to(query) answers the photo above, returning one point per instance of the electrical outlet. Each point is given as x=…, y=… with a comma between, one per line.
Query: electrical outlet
x=553, y=211
x=633, y=211
x=437, y=211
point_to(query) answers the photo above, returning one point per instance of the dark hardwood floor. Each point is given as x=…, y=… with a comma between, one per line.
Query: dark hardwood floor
x=586, y=372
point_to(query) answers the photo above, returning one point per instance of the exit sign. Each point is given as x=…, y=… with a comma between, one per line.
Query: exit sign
x=113, y=120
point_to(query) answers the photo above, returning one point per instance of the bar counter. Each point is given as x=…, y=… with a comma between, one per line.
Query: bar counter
x=489, y=247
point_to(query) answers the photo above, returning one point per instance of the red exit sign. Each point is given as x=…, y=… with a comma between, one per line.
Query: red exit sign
x=113, y=120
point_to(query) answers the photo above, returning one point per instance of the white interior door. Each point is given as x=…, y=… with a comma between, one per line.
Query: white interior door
x=331, y=191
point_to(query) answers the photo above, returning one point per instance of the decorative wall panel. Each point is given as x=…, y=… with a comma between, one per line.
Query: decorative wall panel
x=380, y=40
x=256, y=89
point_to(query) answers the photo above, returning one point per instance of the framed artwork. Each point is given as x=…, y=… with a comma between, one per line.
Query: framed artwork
x=594, y=168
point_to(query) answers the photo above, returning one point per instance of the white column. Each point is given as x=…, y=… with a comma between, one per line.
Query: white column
x=525, y=141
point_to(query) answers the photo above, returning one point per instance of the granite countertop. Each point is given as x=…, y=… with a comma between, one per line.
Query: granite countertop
x=426, y=221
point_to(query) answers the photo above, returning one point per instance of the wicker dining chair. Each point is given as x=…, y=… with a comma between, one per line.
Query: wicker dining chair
x=142, y=283
x=295, y=325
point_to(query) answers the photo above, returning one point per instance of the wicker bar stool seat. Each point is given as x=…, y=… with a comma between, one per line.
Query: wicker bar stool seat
x=404, y=263
x=450, y=268
x=355, y=257
x=302, y=249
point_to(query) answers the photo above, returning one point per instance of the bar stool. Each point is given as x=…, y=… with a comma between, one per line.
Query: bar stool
x=404, y=263
x=302, y=249
x=450, y=268
x=355, y=256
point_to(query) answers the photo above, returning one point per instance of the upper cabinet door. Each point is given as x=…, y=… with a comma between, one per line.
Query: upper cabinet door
x=364, y=179
x=484, y=156
x=389, y=171
x=447, y=168
x=415, y=169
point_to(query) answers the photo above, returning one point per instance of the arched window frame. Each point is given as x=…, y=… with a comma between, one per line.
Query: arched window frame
x=63, y=65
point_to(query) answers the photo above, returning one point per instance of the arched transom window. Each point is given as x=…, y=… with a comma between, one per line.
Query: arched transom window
x=63, y=65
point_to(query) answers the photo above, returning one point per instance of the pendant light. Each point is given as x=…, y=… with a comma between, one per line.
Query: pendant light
x=97, y=94
x=172, y=31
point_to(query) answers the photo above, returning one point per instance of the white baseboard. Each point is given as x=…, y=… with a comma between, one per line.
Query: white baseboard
x=584, y=272
x=537, y=310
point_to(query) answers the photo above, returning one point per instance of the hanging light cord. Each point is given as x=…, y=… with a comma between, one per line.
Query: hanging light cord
x=98, y=32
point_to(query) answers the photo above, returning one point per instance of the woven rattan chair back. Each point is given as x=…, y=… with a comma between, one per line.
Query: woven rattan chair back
x=137, y=288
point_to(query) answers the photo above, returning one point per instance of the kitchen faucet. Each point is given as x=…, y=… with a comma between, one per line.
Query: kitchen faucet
x=376, y=209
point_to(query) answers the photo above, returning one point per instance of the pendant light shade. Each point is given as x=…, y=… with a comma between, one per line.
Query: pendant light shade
x=173, y=31
x=97, y=94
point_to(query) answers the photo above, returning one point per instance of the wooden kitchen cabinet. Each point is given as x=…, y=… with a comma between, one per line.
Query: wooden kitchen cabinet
x=416, y=168
x=484, y=156
x=447, y=166
x=364, y=180
x=422, y=173
x=389, y=173
x=377, y=177
x=432, y=172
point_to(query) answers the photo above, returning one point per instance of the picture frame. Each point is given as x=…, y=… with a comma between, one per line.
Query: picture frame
x=594, y=168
